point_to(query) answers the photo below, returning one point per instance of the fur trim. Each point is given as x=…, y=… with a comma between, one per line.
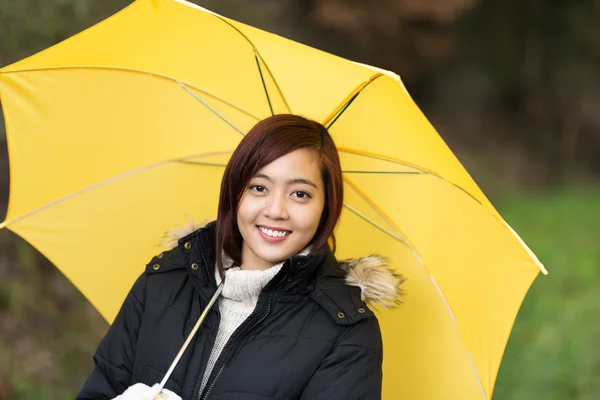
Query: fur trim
x=378, y=283
x=172, y=236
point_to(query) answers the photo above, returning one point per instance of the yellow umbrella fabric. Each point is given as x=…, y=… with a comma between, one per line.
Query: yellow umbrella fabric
x=122, y=131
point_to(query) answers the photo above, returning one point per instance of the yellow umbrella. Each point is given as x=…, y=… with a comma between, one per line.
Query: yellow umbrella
x=121, y=132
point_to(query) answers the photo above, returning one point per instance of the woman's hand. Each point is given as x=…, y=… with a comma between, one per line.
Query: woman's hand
x=139, y=391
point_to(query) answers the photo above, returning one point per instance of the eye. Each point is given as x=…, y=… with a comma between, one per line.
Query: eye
x=258, y=189
x=301, y=195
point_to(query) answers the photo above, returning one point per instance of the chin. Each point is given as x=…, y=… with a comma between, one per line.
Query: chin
x=275, y=257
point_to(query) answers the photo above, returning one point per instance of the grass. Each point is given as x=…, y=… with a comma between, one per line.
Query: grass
x=554, y=350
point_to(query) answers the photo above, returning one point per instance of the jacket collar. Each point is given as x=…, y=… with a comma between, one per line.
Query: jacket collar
x=342, y=288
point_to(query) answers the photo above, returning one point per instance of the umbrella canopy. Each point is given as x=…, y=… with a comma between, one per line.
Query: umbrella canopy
x=122, y=132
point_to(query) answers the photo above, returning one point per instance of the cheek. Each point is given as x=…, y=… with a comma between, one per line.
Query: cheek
x=248, y=210
x=311, y=217
x=319, y=210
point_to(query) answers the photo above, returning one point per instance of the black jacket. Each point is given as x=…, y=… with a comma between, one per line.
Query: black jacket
x=310, y=336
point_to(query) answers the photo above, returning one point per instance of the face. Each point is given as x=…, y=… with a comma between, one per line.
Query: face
x=280, y=210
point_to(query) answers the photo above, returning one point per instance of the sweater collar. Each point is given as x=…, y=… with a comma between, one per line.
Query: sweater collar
x=297, y=271
x=340, y=287
x=245, y=285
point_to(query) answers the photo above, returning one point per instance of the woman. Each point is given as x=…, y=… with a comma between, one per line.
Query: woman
x=291, y=321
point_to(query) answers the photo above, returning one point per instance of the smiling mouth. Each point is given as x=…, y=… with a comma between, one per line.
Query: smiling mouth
x=273, y=233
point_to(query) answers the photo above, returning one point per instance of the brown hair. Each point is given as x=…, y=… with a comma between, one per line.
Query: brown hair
x=268, y=140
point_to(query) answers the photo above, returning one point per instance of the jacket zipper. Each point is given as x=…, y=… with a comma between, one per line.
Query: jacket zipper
x=207, y=268
x=233, y=349
x=212, y=278
x=211, y=383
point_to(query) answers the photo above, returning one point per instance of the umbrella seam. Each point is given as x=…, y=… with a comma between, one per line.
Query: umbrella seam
x=399, y=232
x=134, y=70
x=372, y=172
x=226, y=20
x=203, y=164
x=6, y=223
x=449, y=309
x=420, y=259
x=343, y=106
x=351, y=171
x=274, y=81
x=258, y=55
x=367, y=219
x=210, y=108
x=424, y=171
x=262, y=79
x=432, y=173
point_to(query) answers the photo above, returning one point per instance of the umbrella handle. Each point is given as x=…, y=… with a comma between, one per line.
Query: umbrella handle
x=188, y=340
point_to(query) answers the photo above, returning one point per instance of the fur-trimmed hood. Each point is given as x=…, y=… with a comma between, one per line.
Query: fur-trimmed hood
x=378, y=283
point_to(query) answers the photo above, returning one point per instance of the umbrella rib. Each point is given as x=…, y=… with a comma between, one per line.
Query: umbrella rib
x=425, y=171
x=343, y=106
x=256, y=52
x=343, y=171
x=420, y=259
x=382, y=172
x=104, y=182
x=139, y=71
x=212, y=109
x=258, y=56
x=262, y=79
x=399, y=233
x=373, y=223
x=439, y=290
x=202, y=164
x=274, y=80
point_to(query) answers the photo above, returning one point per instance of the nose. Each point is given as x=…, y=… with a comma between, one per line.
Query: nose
x=276, y=206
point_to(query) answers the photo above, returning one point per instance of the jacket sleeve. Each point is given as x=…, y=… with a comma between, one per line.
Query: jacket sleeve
x=353, y=370
x=115, y=355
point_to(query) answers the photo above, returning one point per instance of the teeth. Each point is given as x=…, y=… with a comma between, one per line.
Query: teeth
x=272, y=233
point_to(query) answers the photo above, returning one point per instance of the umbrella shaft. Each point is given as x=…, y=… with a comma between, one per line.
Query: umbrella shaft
x=188, y=340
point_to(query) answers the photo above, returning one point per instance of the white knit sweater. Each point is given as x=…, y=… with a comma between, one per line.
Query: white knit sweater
x=238, y=300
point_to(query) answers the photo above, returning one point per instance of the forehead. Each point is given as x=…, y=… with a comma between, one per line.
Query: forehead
x=299, y=164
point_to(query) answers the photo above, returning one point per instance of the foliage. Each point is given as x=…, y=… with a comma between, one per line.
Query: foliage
x=552, y=353
x=48, y=331
x=511, y=85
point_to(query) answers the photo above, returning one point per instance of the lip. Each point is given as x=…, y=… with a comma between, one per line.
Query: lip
x=274, y=228
x=270, y=239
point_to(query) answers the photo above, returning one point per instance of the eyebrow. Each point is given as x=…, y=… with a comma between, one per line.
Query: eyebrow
x=289, y=182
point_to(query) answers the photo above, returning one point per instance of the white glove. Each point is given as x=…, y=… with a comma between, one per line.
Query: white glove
x=139, y=391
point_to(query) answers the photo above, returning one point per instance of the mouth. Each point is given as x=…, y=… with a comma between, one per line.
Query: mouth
x=273, y=233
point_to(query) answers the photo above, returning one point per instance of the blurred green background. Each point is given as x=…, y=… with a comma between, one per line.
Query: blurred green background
x=513, y=87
